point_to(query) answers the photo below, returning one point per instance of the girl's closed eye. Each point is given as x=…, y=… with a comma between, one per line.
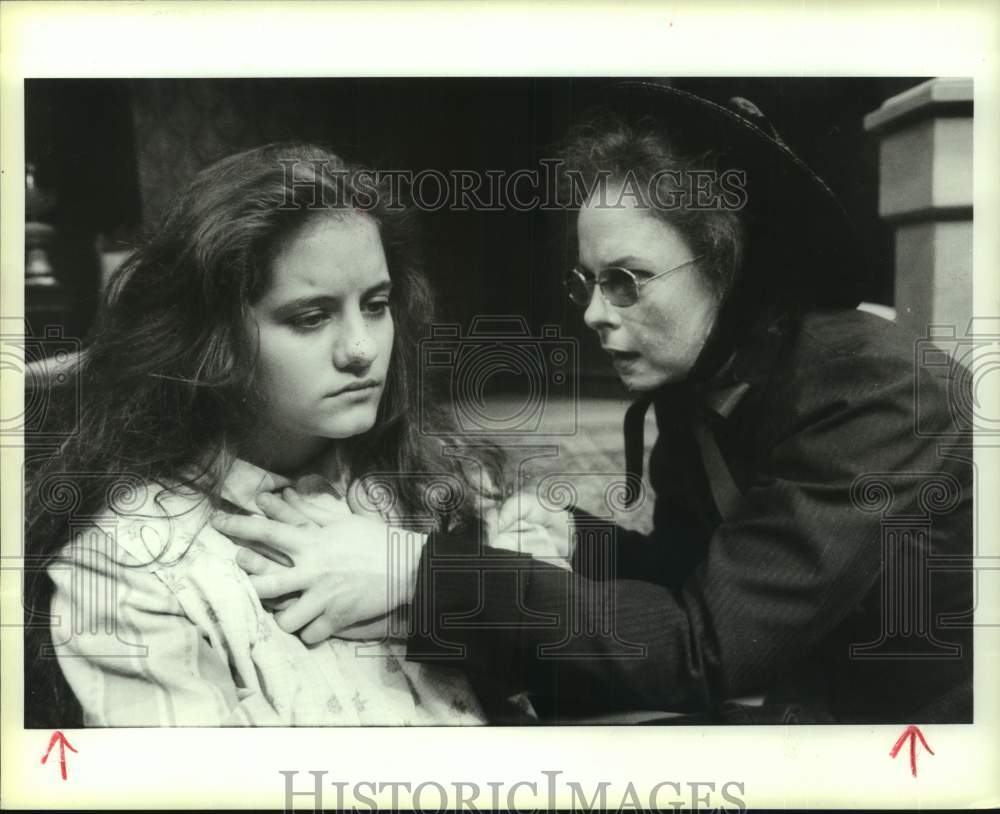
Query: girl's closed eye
x=308, y=321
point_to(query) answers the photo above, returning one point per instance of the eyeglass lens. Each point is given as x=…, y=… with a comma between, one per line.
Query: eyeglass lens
x=617, y=286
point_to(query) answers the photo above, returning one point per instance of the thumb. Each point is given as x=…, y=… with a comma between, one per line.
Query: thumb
x=510, y=511
x=521, y=506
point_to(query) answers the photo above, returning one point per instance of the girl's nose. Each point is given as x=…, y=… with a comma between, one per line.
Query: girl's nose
x=355, y=347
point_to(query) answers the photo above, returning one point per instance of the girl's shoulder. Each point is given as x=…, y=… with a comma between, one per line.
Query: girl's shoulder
x=155, y=526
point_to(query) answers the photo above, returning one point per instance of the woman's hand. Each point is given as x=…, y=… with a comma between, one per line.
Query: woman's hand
x=525, y=525
x=351, y=572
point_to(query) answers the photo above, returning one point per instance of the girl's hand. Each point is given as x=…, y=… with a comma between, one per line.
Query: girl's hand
x=288, y=508
x=350, y=572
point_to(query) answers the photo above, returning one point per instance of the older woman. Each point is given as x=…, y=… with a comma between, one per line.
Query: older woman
x=717, y=271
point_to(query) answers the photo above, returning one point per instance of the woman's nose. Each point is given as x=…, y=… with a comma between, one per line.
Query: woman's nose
x=599, y=313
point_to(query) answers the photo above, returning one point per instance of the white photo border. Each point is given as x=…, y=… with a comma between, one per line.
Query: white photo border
x=787, y=767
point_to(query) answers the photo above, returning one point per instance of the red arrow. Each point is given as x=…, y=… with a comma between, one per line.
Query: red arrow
x=63, y=745
x=912, y=733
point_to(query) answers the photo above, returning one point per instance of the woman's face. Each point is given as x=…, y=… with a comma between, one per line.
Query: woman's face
x=325, y=332
x=657, y=340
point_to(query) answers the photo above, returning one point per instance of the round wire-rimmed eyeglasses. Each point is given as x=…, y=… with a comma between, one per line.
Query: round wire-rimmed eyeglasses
x=618, y=285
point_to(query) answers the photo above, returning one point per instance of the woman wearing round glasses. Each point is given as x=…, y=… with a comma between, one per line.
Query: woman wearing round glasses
x=797, y=511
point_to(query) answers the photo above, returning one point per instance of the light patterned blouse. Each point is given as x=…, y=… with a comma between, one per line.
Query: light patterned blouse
x=154, y=624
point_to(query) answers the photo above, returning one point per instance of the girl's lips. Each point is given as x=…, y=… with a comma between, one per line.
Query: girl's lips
x=362, y=392
x=367, y=385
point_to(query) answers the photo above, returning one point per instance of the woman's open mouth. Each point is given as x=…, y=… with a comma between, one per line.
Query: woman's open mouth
x=622, y=356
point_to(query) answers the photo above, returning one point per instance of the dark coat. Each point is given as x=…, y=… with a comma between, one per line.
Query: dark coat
x=821, y=585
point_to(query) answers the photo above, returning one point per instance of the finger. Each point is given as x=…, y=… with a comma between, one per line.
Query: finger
x=378, y=629
x=518, y=527
x=271, y=482
x=537, y=541
x=276, y=508
x=301, y=612
x=523, y=504
x=279, y=583
x=491, y=522
x=280, y=603
x=308, y=510
x=284, y=538
x=254, y=563
x=508, y=512
x=520, y=537
x=318, y=630
x=267, y=552
x=561, y=524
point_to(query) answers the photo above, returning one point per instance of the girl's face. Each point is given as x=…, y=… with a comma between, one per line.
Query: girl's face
x=658, y=339
x=325, y=335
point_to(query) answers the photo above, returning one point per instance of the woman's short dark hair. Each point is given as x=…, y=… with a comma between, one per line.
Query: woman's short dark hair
x=608, y=150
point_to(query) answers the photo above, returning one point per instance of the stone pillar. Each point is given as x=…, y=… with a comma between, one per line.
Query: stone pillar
x=925, y=193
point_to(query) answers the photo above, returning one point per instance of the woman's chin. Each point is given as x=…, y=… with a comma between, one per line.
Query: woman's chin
x=644, y=381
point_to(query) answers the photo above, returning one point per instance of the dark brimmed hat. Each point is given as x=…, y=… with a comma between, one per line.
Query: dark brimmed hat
x=801, y=241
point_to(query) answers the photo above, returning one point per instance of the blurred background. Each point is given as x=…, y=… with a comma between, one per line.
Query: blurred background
x=108, y=155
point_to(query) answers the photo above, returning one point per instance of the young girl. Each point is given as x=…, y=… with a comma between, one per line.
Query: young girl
x=259, y=352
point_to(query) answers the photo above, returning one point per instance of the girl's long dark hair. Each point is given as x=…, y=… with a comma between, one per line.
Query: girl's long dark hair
x=168, y=375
